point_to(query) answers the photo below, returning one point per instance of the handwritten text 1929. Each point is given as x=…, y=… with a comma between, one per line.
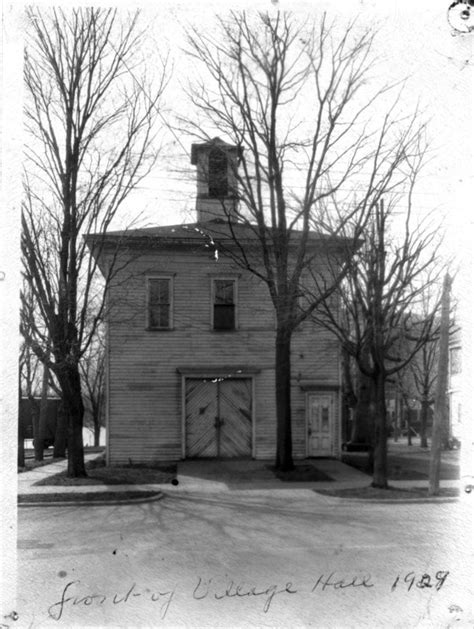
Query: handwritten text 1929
x=75, y=597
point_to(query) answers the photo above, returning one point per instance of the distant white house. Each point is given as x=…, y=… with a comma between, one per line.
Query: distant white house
x=455, y=388
x=88, y=436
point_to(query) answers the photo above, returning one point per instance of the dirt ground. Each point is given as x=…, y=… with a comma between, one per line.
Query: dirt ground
x=409, y=462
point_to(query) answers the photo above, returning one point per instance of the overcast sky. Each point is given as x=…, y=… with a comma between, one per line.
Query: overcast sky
x=414, y=43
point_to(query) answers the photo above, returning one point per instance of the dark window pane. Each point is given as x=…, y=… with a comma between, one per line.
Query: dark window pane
x=159, y=317
x=224, y=292
x=218, y=186
x=159, y=303
x=224, y=317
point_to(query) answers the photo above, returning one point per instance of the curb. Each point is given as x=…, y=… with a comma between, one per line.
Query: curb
x=393, y=501
x=89, y=503
x=405, y=501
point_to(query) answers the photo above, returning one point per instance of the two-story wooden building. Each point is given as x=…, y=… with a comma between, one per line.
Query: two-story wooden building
x=191, y=342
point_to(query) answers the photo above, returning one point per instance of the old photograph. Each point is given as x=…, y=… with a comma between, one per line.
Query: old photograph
x=236, y=314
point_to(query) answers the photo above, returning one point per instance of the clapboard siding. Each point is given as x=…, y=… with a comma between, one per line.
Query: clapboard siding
x=145, y=388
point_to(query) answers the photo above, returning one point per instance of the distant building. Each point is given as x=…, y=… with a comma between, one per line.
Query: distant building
x=455, y=386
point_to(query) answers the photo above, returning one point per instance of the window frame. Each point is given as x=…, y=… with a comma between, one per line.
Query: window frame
x=234, y=280
x=148, y=280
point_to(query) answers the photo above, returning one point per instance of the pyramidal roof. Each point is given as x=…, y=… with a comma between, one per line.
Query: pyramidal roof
x=217, y=230
x=215, y=142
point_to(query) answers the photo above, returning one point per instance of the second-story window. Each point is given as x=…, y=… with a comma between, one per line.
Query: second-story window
x=218, y=185
x=159, y=302
x=224, y=291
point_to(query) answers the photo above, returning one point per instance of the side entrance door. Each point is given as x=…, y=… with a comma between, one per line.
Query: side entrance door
x=320, y=423
x=218, y=417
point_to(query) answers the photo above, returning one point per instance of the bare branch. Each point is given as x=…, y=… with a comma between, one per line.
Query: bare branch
x=91, y=140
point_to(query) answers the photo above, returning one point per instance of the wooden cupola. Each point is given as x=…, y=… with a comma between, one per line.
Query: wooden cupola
x=217, y=164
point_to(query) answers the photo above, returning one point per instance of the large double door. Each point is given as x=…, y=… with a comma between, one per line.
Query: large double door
x=218, y=417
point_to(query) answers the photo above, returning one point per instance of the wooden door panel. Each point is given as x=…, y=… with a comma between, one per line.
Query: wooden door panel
x=235, y=412
x=201, y=411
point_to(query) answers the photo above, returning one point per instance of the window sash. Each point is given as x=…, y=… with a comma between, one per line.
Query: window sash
x=224, y=292
x=159, y=303
x=224, y=304
x=224, y=317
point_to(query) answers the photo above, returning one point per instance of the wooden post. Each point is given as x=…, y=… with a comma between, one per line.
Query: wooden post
x=439, y=418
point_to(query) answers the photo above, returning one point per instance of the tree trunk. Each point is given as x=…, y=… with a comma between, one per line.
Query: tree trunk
x=345, y=419
x=446, y=428
x=96, y=419
x=349, y=398
x=21, y=441
x=43, y=416
x=396, y=419
x=425, y=406
x=361, y=431
x=408, y=423
x=21, y=451
x=284, y=455
x=70, y=382
x=38, y=443
x=380, y=421
x=21, y=438
x=96, y=436
x=21, y=428
x=59, y=451
x=441, y=386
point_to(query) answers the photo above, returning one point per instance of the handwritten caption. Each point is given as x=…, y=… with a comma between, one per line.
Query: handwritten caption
x=214, y=589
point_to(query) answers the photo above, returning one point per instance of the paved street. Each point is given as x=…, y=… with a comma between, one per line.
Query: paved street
x=260, y=558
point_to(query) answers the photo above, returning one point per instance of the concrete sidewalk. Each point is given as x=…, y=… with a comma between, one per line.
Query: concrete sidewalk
x=214, y=476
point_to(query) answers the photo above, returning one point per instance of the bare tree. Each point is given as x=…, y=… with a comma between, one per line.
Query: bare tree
x=293, y=97
x=441, y=407
x=349, y=398
x=384, y=325
x=28, y=387
x=417, y=381
x=90, y=125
